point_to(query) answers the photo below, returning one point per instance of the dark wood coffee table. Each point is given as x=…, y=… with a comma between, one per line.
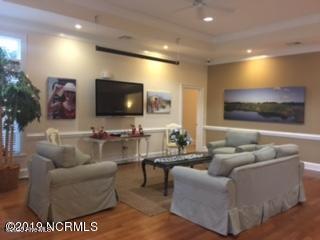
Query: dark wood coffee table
x=168, y=162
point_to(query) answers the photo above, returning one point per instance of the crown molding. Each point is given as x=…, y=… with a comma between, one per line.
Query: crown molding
x=273, y=54
x=279, y=26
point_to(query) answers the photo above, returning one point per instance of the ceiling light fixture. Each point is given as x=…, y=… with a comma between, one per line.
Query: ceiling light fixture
x=62, y=35
x=78, y=26
x=146, y=52
x=208, y=19
x=165, y=47
x=249, y=50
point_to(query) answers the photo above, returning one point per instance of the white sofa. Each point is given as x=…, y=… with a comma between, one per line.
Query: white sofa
x=64, y=184
x=235, y=141
x=240, y=190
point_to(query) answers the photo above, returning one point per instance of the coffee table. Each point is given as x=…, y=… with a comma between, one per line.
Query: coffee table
x=168, y=162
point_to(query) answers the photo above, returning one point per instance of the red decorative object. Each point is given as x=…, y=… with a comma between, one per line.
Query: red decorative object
x=133, y=129
x=102, y=134
x=140, y=130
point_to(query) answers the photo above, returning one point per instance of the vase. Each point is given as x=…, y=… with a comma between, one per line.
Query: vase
x=180, y=150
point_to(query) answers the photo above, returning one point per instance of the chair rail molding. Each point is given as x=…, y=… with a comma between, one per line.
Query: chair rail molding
x=88, y=133
x=295, y=135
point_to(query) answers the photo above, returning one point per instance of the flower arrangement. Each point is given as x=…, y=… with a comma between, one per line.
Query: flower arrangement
x=181, y=138
x=101, y=134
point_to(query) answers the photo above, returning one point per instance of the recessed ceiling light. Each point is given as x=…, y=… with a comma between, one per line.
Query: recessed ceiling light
x=62, y=35
x=78, y=26
x=249, y=50
x=207, y=19
x=165, y=47
x=146, y=52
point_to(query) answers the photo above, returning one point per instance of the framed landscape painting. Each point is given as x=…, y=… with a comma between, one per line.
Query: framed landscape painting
x=158, y=102
x=280, y=105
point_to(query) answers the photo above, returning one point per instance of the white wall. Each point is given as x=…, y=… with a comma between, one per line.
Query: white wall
x=50, y=56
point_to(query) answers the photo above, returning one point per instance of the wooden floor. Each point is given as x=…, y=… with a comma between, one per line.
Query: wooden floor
x=123, y=222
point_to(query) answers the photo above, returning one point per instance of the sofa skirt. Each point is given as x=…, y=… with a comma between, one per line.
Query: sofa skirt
x=225, y=220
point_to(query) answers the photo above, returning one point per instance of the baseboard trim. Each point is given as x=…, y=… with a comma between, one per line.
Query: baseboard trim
x=312, y=166
x=23, y=174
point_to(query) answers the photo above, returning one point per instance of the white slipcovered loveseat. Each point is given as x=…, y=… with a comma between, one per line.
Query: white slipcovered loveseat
x=239, y=190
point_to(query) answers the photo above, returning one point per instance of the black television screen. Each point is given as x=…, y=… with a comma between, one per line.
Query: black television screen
x=115, y=98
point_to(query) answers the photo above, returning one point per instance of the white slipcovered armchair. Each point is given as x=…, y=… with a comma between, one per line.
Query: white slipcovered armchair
x=239, y=190
x=63, y=184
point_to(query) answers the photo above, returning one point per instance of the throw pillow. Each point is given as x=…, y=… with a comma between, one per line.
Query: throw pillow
x=265, y=154
x=246, y=148
x=237, y=138
x=286, y=150
x=82, y=158
x=222, y=164
x=62, y=156
x=259, y=146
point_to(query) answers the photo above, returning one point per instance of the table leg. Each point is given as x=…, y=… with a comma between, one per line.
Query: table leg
x=143, y=165
x=147, y=150
x=100, y=151
x=166, y=175
x=92, y=150
x=139, y=154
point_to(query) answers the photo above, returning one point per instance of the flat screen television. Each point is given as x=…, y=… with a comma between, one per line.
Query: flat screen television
x=115, y=98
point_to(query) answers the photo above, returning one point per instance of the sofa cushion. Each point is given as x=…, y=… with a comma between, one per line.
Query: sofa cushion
x=265, y=154
x=259, y=146
x=222, y=164
x=246, y=148
x=237, y=138
x=224, y=150
x=286, y=150
x=62, y=156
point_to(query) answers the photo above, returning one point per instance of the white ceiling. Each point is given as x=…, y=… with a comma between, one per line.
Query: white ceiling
x=264, y=26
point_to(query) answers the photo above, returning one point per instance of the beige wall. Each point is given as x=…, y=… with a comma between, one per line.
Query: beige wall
x=297, y=70
x=50, y=56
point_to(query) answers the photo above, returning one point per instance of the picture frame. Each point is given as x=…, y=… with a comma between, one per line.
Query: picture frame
x=61, y=101
x=158, y=102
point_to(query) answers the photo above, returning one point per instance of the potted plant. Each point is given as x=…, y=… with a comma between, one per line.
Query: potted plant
x=19, y=102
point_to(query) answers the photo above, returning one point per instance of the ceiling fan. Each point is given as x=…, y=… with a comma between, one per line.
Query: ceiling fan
x=201, y=5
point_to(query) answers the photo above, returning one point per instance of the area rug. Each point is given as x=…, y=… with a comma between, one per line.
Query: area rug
x=149, y=199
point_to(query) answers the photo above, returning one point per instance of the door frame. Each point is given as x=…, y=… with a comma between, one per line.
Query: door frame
x=200, y=113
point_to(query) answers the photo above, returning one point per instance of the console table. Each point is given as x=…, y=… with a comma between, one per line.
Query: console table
x=122, y=139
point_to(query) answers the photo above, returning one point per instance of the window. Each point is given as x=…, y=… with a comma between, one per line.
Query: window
x=12, y=46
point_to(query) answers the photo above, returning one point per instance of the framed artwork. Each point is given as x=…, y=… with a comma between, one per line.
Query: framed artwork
x=280, y=105
x=158, y=102
x=61, y=101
